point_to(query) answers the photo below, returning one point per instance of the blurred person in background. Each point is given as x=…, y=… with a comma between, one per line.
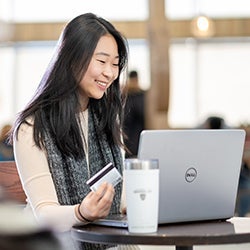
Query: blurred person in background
x=134, y=119
x=213, y=122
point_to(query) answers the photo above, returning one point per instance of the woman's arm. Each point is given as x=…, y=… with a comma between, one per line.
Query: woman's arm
x=38, y=184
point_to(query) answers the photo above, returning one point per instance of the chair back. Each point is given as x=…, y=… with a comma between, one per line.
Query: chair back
x=10, y=182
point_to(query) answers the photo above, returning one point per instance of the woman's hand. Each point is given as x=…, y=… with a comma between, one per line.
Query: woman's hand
x=96, y=205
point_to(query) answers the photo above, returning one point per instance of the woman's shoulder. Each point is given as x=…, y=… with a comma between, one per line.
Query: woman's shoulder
x=26, y=126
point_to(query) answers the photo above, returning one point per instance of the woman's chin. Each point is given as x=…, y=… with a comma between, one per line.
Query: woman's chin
x=98, y=96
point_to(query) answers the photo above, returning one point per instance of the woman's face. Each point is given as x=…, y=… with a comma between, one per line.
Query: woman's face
x=102, y=70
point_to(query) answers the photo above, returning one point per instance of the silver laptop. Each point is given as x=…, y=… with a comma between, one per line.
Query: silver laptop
x=199, y=172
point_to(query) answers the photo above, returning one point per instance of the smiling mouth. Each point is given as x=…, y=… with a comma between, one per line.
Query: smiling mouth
x=103, y=84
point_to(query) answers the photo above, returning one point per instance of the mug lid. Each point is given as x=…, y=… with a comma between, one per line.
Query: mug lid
x=144, y=164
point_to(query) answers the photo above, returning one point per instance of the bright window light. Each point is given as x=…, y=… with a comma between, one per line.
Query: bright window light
x=62, y=10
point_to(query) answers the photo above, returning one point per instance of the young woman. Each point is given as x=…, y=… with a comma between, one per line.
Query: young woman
x=72, y=127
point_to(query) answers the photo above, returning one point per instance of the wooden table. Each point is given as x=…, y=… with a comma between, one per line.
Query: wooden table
x=183, y=236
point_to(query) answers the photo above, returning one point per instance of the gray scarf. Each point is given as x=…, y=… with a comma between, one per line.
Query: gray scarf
x=70, y=175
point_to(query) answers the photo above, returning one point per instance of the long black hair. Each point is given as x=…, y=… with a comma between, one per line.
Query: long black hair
x=55, y=105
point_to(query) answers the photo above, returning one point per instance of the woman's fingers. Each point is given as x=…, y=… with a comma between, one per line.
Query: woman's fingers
x=105, y=191
x=97, y=204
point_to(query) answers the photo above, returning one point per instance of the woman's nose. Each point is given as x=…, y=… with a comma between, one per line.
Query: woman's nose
x=108, y=71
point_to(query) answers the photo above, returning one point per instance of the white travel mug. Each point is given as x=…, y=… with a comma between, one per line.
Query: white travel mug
x=141, y=179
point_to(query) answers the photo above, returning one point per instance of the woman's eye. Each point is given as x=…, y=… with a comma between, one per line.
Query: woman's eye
x=101, y=61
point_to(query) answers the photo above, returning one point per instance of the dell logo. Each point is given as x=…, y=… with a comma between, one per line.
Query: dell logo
x=190, y=174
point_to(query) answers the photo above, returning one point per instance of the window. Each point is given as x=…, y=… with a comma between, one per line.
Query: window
x=209, y=78
x=58, y=10
x=179, y=9
x=206, y=76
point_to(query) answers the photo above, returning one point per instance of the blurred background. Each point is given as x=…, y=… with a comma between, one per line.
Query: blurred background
x=192, y=56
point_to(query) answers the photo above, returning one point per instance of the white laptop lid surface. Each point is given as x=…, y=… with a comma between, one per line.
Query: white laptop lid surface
x=199, y=172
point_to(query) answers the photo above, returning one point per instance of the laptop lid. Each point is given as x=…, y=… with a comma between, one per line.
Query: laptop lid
x=199, y=172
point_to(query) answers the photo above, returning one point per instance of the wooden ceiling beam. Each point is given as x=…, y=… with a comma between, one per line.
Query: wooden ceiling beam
x=131, y=29
x=222, y=28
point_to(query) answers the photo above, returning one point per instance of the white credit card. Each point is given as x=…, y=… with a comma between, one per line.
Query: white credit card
x=109, y=174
